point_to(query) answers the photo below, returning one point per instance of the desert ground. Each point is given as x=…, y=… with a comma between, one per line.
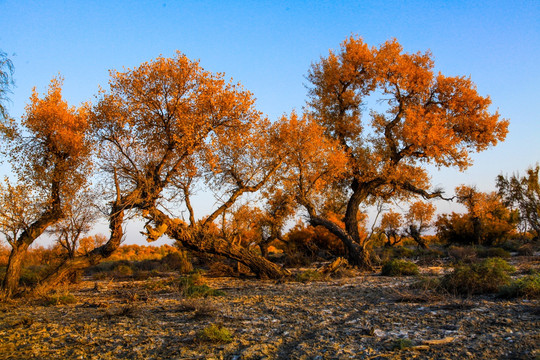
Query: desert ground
x=357, y=316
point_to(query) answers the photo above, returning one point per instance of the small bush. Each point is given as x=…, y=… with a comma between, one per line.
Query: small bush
x=486, y=277
x=59, y=299
x=493, y=252
x=466, y=254
x=401, y=344
x=527, y=287
x=192, y=286
x=398, y=267
x=215, y=333
x=402, y=252
x=161, y=286
x=201, y=291
x=123, y=270
x=178, y=261
x=309, y=276
x=31, y=275
x=425, y=283
x=526, y=250
x=428, y=256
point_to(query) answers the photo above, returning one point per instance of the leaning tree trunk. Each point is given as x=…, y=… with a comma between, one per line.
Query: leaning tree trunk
x=199, y=240
x=415, y=234
x=357, y=254
x=13, y=270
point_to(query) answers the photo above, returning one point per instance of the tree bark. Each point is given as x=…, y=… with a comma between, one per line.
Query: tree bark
x=199, y=240
x=415, y=234
x=357, y=254
x=13, y=270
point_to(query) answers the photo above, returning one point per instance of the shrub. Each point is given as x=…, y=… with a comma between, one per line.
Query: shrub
x=178, y=261
x=428, y=256
x=386, y=254
x=59, y=299
x=123, y=270
x=526, y=250
x=527, y=287
x=308, y=276
x=192, y=291
x=401, y=344
x=426, y=283
x=493, y=252
x=215, y=333
x=31, y=275
x=192, y=286
x=398, y=267
x=402, y=252
x=465, y=254
x=486, y=277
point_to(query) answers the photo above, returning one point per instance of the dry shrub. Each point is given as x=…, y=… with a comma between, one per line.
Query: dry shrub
x=193, y=286
x=526, y=250
x=428, y=256
x=526, y=287
x=399, y=267
x=493, y=252
x=465, y=254
x=199, y=308
x=309, y=276
x=178, y=261
x=59, y=299
x=470, y=279
x=306, y=244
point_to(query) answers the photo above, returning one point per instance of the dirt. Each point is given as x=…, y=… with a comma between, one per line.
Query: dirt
x=365, y=316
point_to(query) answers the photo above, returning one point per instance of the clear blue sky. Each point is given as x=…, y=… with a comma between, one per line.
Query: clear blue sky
x=268, y=46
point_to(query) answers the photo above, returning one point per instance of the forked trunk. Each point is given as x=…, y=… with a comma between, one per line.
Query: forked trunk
x=357, y=255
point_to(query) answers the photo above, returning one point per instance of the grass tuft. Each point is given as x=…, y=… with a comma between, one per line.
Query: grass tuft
x=215, y=334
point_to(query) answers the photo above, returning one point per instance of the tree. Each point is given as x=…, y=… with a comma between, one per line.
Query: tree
x=271, y=221
x=50, y=156
x=419, y=219
x=422, y=118
x=6, y=82
x=390, y=226
x=77, y=221
x=165, y=128
x=486, y=222
x=523, y=193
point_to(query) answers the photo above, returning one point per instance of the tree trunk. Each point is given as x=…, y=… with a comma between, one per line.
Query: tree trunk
x=415, y=234
x=199, y=240
x=13, y=270
x=264, y=249
x=357, y=254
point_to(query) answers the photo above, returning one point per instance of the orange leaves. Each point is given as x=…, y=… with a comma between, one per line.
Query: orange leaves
x=313, y=160
x=60, y=129
x=419, y=117
x=52, y=150
x=165, y=110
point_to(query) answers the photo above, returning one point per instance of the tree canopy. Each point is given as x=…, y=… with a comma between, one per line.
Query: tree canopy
x=419, y=118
